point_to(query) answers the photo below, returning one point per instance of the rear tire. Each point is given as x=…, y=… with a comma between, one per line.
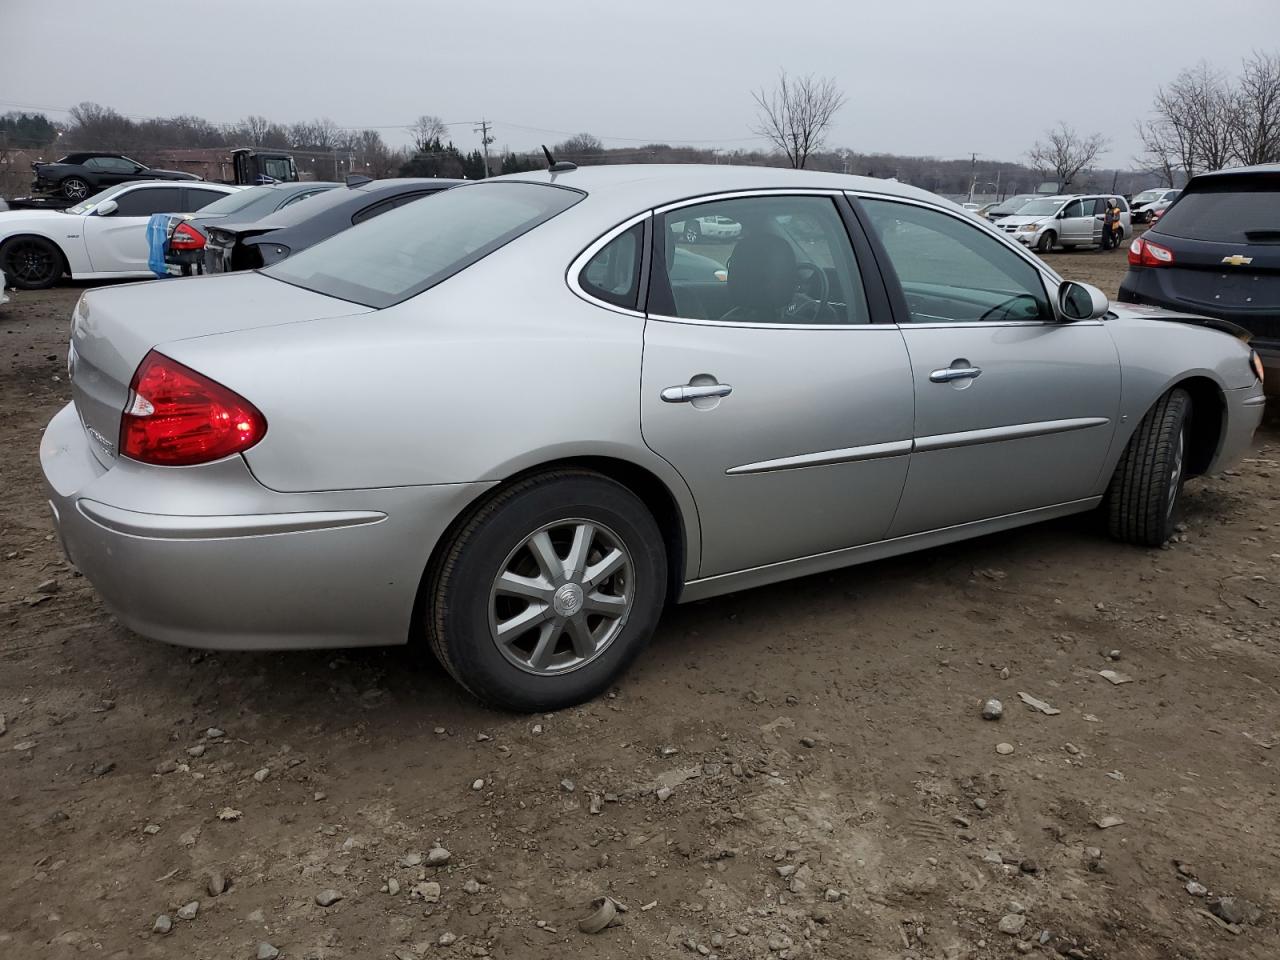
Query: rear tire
x=1144, y=491
x=1046, y=242
x=74, y=189
x=569, y=652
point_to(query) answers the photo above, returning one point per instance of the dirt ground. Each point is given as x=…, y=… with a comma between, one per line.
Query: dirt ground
x=835, y=790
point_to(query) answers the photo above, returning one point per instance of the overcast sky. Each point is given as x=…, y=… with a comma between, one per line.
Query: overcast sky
x=935, y=77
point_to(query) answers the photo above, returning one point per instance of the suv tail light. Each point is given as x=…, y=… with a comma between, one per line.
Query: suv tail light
x=1144, y=253
x=186, y=237
x=177, y=417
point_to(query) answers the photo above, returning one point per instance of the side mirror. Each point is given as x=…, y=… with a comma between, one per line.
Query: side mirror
x=1081, y=301
x=106, y=208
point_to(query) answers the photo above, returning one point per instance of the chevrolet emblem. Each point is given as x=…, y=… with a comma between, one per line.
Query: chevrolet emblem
x=1237, y=260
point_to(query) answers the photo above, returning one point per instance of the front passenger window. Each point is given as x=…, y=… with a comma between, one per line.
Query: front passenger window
x=952, y=271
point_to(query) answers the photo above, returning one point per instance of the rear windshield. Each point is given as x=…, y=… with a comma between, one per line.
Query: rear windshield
x=395, y=256
x=237, y=201
x=1243, y=209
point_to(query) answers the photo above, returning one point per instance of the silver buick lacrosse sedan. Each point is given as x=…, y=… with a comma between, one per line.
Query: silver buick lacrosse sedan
x=518, y=418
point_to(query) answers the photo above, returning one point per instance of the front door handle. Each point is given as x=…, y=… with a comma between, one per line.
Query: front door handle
x=948, y=374
x=687, y=392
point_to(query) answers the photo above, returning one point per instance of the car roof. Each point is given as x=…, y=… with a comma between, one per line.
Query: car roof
x=1257, y=168
x=655, y=184
x=90, y=154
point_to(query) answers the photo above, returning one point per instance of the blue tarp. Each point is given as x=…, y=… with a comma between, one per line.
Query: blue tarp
x=157, y=232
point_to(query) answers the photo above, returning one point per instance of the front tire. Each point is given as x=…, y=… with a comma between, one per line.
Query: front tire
x=1144, y=491
x=693, y=232
x=548, y=591
x=32, y=263
x=75, y=189
x=1046, y=241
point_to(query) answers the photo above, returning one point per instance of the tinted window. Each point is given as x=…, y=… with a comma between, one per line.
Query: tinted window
x=1239, y=209
x=613, y=275
x=301, y=196
x=952, y=271
x=757, y=260
x=371, y=211
x=198, y=199
x=1076, y=209
x=143, y=203
x=400, y=254
x=112, y=164
x=304, y=210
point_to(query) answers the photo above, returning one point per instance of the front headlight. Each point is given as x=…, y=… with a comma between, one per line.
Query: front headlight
x=1255, y=361
x=1029, y=227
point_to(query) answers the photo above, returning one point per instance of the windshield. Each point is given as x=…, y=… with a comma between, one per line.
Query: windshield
x=1146, y=196
x=395, y=256
x=87, y=205
x=236, y=201
x=1040, y=208
x=1231, y=209
x=1012, y=205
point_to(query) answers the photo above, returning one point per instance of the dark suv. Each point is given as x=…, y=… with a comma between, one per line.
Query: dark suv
x=1216, y=251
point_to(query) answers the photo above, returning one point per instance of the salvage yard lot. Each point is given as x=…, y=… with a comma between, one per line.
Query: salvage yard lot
x=835, y=790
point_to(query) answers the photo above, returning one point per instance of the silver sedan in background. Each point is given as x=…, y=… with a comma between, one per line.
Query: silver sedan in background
x=513, y=422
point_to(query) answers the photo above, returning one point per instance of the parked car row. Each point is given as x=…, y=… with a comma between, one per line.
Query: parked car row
x=104, y=237
x=1047, y=223
x=516, y=419
x=1215, y=250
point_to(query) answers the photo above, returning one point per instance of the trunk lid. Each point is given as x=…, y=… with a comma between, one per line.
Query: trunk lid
x=113, y=329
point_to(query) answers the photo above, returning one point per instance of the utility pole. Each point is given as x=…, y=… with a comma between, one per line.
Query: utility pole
x=973, y=174
x=485, y=140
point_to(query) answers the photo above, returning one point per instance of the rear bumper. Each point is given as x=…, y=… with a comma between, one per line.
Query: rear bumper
x=208, y=557
x=1244, y=413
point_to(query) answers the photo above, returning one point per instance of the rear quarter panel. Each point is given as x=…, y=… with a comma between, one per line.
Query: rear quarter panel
x=493, y=372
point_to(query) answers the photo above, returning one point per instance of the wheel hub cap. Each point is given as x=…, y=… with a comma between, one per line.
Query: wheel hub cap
x=567, y=601
x=561, y=597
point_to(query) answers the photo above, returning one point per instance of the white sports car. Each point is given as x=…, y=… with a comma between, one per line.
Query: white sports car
x=101, y=238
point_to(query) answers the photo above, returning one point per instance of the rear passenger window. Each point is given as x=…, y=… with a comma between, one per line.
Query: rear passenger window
x=198, y=199
x=760, y=260
x=145, y=202
x=613, y=275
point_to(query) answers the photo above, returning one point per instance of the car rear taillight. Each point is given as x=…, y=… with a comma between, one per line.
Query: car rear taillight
x=177, y=417
x=186, y=237
x=1144, y=253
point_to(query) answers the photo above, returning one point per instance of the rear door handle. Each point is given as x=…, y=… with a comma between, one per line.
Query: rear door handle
x=947, y=374
x=687, y=392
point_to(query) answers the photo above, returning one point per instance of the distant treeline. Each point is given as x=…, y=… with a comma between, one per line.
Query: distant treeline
x=92, y=126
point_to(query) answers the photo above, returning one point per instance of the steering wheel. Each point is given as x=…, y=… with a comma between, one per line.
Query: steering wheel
x=1006, y=303
x=817, y=306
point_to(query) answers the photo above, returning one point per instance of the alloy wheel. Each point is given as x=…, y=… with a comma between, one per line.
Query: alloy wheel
x=30, y=262
x=561, y=597
x=74, y=189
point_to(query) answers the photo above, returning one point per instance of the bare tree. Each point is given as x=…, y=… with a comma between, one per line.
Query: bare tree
x=426, y=130
x=796, y=114
x=1159, y=154
x=375, y=155
x=579, y=145
x=1193, y=118
x=1255, y=131
x=1064, y=153
x=254, y=130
